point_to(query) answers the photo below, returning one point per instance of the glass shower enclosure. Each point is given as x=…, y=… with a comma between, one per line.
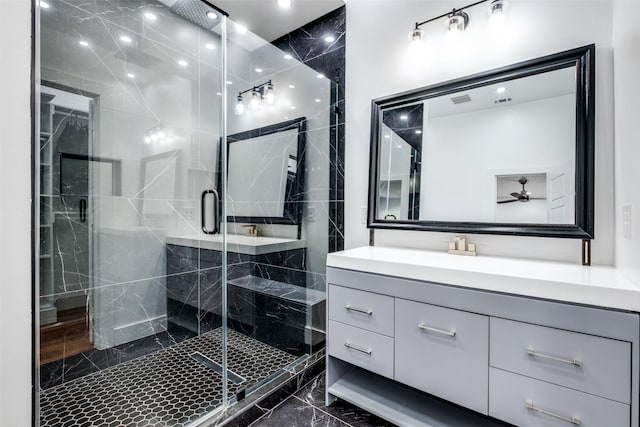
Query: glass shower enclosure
x=182, y=177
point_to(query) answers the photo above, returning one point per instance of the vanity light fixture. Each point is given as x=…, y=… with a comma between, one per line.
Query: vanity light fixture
x=457, y=20
x=264, y=91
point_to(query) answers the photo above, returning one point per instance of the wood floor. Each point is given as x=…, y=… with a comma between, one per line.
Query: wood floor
x=68, y=336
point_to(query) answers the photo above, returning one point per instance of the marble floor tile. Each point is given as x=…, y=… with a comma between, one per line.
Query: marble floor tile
x=294, y=412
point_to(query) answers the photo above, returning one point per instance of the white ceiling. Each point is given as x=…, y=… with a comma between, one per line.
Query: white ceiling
x=266, y=19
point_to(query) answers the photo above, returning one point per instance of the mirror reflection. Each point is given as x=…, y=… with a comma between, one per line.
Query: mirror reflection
x=502, y=152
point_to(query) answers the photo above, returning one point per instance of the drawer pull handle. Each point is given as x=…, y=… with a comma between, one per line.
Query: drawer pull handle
x=356, y=348
x=359, y=310
x=574, y=362
x=573, y=420
x=451, y=333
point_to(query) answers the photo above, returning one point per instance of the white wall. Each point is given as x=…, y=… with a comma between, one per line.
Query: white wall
x=15, y=199
x=626, y=42
x=380, y=62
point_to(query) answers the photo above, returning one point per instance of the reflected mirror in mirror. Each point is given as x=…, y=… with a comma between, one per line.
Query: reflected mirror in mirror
x=503, y=150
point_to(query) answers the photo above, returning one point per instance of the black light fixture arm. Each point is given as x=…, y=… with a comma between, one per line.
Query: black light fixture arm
x=259, y=88
x=444, y=15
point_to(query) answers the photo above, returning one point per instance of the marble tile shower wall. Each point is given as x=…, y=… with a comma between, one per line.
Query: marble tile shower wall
x=308, y=45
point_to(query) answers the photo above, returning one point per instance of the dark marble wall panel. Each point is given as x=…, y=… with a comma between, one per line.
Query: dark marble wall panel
x=308, y=45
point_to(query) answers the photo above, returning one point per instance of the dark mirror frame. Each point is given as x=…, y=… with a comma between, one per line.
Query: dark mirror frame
x=295, y=195
x=583, y=59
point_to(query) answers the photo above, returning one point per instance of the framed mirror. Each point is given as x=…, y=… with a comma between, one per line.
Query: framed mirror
x=266, y=174
x=508, y=151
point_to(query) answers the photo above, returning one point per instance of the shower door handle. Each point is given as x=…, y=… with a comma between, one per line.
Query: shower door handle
x=83, y=210
x=216, y=211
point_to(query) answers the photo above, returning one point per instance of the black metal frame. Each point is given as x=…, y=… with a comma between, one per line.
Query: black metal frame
x=583, y=59
x=293, y=205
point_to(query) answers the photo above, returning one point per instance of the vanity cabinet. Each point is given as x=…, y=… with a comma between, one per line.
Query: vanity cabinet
x=398, y=347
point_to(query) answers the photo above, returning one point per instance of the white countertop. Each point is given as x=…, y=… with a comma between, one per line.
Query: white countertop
x=238, y=243
x=601, y=286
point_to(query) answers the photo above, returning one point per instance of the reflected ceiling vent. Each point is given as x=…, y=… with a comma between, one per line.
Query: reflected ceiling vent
x=502, y=100
x=461, y=99
x=197, y=12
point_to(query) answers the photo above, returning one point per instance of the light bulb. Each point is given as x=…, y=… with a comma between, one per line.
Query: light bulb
x=457, y=22
x=255, y=100
x=239, y=105
x=416, y=35
x=497, y=12
x=270, y=95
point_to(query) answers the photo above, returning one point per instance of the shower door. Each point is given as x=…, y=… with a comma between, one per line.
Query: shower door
x=130, y=278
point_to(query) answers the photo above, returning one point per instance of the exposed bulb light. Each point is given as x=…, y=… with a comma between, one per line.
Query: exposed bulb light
x=84, y=43
x=329, y=39
x=497, y=12
x=150, y=16
x=125, y=39
x=254, y=103
x=212, y=15
x=285, y=4
x=269, y=94
x=416, y=35
x=183, y=63
x=241, y=29
x=44, y=5
x=239, y=105
x=287, y=56
x=501, y=89
x=210, y=46
x=457, y=22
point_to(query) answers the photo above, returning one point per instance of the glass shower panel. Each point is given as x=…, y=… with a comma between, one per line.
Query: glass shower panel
x=277, y=192
x=130, y=122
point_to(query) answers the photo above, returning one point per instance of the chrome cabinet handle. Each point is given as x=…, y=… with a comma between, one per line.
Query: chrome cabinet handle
x=359, y=310
x=451, y=333
x=573, y=420
x=575, y=362
x=356, y=348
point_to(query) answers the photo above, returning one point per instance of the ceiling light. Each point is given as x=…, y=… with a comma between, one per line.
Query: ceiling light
x=212, y=15
x=44, y=5
x=269, y=94
x=150, y=16
x=241, y=29
x=210, y=46
x=320, y=76
x=287, y=56
x=286, y=117
x=318, y=100
x=239, y=105
x=219, y=93
x=501, y=89
x=404, y=117
x=284, y=3
x=329, y=39
x=183, y=63
x=293, y=108
x=292, y=86
x=457, y=22
x=84, y=43
x=229, y=82
x=418, y=132
x=258, y=70
x=126, y=39
x=387, y=136
x=131, y=75
x=254, y=103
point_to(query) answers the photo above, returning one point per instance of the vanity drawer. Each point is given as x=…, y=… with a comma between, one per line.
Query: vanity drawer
x=366, y=310
x=444, y=352
x=595, y=365
x=527, y=402
x=371, y=351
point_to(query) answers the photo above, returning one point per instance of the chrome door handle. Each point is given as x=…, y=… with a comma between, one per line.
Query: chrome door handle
x=356, y=348
x=575, y=362
x=216, y=211
x=359, y=310
x=451, y=333
x=573, y=420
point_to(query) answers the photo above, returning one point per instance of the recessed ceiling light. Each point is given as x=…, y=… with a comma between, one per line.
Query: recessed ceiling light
x=210, y=46
x=418, y=132
x=501, y=89
x=293, y=108
x=219, y=93
x=183, y=63
x=131, y=75
x=126, y=39
x=212, y=15
x=329, y=39
x=284, y=3
x=258, y=70
x=318, y=100
x=44, y=5
x=241, y=29
x=292, y=86
x=387, y=136
x=404, y=117
x=150, y=16
x=286, y=117
x=84, y=43
x=229, y=82
x=320, y=76
x=287, y=56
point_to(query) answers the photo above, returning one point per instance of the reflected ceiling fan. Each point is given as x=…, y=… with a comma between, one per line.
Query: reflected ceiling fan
x=523, y=196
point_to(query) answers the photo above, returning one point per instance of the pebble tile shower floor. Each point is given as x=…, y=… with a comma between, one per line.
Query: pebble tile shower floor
x=165, y=388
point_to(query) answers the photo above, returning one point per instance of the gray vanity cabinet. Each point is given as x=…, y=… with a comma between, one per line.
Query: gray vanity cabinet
x=525, y=361
x=444, y=352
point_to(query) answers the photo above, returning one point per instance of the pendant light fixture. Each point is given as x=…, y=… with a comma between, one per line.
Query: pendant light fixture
x=239, y=105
